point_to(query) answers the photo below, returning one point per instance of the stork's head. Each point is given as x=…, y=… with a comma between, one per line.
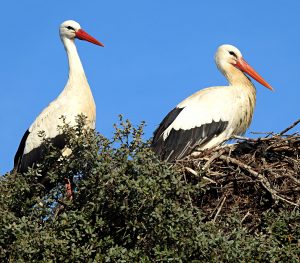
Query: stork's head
x=70, y=29
x=228, y=56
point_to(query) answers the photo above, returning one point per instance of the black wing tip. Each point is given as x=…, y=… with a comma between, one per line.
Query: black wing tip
x=20, y=150
x=166, y=122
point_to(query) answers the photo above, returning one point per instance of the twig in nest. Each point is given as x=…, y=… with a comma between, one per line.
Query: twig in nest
x=215, y=156
x=294, y=179
x=283, y=143
x=219, y=209
x=290, y=127
x=190, y=170
x=242, y=138
x=264, y=182
x=247, y=214
x=210, y=180
x=268, y=133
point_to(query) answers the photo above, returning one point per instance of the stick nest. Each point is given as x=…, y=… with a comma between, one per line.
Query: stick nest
x=251, y=176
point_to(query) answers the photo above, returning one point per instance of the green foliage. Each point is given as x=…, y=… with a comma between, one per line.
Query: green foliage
x=127, y=207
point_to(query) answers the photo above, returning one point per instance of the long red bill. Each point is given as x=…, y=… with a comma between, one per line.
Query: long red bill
x=82, y=35
x=245, y=67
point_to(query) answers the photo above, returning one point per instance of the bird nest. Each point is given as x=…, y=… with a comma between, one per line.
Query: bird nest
x=251, y=176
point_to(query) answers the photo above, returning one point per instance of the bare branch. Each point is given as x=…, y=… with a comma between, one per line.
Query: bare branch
x=290, y=127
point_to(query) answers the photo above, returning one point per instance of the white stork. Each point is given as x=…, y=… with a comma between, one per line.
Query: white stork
x=212, y=115
x=76, y=98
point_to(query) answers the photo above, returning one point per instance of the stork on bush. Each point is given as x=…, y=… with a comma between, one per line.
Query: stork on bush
x=76, y=98
x=212, y=115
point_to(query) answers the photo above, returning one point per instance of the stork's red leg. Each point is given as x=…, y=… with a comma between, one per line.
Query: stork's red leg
x=69, y=191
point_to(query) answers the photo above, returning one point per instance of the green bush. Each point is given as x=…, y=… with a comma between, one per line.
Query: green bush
x=127, y=207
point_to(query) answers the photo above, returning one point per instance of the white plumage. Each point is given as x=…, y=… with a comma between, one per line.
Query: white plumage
x=76, y=98
x=212, y=115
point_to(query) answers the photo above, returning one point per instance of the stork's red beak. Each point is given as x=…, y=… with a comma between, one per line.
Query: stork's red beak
x=82, y=35
x=245, y=67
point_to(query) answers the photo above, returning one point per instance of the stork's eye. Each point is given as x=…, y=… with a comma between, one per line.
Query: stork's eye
x=232, y=53
x=70, y=28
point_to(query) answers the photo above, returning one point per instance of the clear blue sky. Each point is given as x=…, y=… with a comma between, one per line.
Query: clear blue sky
x=156, y=54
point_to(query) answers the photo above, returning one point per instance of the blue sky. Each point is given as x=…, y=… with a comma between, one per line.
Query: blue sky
x=156, y=54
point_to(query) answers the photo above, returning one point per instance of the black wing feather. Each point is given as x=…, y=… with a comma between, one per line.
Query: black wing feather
x=23, y=161
x=157, y=142
x=181, y=143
